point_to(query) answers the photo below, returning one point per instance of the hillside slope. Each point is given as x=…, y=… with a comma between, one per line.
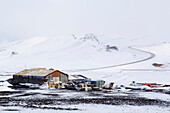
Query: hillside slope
x=66, y=52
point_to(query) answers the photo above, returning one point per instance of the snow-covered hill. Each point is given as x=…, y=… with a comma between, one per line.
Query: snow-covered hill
x=88, y=55
x=76, y=53
x=65, y=53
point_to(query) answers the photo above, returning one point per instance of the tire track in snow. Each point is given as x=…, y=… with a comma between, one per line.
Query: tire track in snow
x=152, y=55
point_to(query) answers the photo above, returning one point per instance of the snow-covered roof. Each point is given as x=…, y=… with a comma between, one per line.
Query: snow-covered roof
x=35, y=71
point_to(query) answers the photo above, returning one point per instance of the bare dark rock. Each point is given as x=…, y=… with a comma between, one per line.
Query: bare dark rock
x=108, y=48
x=157, y=65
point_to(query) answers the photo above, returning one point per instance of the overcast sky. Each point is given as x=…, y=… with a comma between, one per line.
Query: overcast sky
x=132, y=18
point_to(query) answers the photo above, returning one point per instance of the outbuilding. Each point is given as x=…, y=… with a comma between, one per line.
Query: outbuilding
x=38, y=76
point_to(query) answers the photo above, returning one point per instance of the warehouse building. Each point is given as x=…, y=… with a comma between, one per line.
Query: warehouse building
x=38, y=76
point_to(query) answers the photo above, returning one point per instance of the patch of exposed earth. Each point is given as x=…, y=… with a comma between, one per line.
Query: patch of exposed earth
x=58, y=99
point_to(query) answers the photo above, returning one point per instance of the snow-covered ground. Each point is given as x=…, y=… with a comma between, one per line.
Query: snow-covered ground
x=66, y=52
x=87, y=54
x=93, y=108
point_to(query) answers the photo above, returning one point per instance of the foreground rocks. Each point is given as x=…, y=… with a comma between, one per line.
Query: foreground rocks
x=57, y=102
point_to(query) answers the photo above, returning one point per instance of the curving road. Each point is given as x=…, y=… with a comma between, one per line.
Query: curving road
x=152, y=55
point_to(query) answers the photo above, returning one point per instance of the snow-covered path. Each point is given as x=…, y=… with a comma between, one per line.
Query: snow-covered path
x=152, y=55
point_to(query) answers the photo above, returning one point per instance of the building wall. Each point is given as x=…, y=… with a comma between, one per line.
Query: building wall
x=28, y=79
x=63, y=78
x=58, y=76
x=50, y=77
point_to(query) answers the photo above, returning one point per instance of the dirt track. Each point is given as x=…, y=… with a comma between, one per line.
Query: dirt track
x=152, y=55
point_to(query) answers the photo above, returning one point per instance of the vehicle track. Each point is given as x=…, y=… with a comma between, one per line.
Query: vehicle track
x=152, y=55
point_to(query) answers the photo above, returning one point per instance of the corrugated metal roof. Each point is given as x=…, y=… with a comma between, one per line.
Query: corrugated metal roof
x=35, y=71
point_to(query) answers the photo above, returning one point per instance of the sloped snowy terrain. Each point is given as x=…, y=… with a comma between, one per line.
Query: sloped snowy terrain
x=87, y=55
x=65, y=52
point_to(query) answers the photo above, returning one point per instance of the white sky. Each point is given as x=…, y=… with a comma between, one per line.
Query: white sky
x=131, y=18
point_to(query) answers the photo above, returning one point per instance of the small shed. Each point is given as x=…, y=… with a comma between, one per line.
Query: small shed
x=39, y=76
